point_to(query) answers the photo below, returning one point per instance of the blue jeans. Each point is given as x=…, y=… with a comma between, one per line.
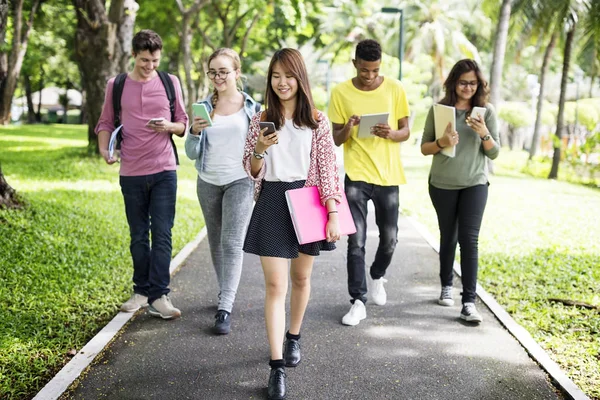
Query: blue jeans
x=460, y=213
x=150, y=207
x=386, y=201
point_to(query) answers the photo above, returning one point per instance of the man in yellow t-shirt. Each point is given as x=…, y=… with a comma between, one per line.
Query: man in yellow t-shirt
x=373, y=168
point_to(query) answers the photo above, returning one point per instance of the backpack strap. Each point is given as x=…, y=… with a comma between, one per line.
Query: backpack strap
x=118, y=86
x=170, y=89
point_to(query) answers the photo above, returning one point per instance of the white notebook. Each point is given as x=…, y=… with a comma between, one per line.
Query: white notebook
x=442, y=115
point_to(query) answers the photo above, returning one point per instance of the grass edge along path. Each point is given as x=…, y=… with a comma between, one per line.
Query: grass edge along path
x=65, y=266
x=538, y=241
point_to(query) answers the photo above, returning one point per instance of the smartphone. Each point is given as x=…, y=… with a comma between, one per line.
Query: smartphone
x=200, y=110
x=478, y=113
x=270, y=127
x=153, y=121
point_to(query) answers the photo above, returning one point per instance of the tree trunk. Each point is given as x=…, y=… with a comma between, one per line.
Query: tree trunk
x=189, y=87
x=98, y=53
x=30, y=106
x=38, y=114
x=186, y=50
x=540, y=102
x=561, y=102
x=126, y=20
x=3, y=54
x=499, y=51
x=8, y=195
x=20, y=40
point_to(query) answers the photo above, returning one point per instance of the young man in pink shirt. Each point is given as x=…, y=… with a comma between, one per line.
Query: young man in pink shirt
x=148, y=176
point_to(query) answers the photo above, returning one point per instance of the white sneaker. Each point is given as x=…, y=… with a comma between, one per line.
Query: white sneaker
x=378, y=294
x=446, y=297
x=134, y=303
x=163, y=308
x=357, y=313
x=469, y=313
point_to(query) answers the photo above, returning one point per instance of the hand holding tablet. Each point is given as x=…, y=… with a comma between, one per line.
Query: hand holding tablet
x=368, y=121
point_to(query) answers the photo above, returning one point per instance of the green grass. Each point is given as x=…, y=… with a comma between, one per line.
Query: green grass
x=539, y=240
x=64, y=265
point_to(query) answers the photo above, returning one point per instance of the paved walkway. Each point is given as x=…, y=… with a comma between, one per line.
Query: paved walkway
x=411, y=348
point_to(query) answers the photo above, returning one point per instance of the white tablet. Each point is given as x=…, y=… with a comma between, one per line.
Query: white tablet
x=368, y=121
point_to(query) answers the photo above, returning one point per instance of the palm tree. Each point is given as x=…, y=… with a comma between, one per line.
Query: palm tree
x=436, y=28
x=590, y=57
x=499, y=51
x=571, y=10
x=548, y=14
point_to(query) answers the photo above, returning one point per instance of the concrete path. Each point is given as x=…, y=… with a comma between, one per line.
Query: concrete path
x=411, y=348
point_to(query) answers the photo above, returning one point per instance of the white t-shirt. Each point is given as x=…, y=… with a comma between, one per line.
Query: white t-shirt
x=289, y=159
x=225, y=141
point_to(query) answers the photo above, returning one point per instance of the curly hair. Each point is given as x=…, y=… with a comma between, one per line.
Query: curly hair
x=368, y=50
x=481, y=96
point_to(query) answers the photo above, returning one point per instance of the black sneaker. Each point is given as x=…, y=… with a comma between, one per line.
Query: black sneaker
x=222, y=323
x=277, y=384
x=291, y=353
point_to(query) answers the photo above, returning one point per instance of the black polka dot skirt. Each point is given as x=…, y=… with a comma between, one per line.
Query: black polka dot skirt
x=271, y=231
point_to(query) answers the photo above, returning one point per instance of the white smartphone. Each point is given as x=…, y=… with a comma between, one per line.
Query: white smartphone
x=200, y=110
x=153, y=121
x=478, y=113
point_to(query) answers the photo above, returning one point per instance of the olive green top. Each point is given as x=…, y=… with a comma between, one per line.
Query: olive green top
x=468, y=167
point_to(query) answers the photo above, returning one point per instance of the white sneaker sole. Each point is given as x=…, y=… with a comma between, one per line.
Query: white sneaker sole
x=446, y=302
x=379, y=302
x=155, y=313
x=353, y=322
x=471, y=318
x=130, y=310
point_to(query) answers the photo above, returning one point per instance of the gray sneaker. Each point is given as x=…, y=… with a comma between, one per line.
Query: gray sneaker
x=134, y=303
x=446, y=297
x=469, y=313
x=163, y=308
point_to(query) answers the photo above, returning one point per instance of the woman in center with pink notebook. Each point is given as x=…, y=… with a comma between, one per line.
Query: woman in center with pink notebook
x=299, y=153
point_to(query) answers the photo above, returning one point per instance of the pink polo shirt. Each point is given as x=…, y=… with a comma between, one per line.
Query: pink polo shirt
x=143, y=152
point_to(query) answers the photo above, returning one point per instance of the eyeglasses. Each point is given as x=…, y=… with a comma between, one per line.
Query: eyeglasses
x=464, y=84
x=220, y=74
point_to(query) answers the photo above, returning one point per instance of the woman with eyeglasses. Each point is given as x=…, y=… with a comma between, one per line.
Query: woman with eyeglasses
x=224, y=189
x=458, y=186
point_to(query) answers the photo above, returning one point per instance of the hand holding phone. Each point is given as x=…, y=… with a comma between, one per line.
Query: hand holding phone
x=199, y=110
x=270, y=127
x=478, y=113
x=154, y=121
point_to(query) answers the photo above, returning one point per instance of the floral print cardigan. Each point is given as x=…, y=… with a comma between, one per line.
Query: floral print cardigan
x=322, y=170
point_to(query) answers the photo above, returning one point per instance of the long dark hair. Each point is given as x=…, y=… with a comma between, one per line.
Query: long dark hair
x=480, y=98
x=292, y=62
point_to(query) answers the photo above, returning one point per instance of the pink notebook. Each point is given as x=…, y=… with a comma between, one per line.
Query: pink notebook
x=310, y=217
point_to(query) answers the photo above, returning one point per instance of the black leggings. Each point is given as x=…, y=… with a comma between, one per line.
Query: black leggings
x=459, y=215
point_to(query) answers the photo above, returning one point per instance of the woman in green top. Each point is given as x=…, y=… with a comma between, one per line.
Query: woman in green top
x=458, y=186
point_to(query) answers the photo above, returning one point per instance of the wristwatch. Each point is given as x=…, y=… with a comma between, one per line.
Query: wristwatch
x=486, y=138
x=258, y=156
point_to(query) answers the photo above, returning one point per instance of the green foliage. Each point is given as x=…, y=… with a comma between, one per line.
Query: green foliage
x=549, y=249
x=65, y=265
x=517, y=115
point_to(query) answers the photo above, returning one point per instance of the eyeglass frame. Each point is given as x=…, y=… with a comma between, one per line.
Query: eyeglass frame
x=218, y=74
x=464, y=84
